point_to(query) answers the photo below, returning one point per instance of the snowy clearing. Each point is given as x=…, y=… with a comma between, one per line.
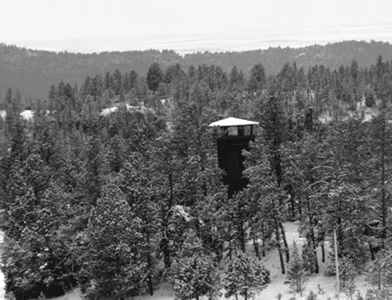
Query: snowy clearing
x=277, y=285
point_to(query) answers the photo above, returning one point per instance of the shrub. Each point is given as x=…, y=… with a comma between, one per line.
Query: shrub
x=311, y=296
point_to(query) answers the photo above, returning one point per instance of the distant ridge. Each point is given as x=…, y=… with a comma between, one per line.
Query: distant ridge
x=220, y=41
x=34, y=71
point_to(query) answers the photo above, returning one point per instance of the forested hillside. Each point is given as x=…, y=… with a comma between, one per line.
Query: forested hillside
x=113, y=186
x=33, y=72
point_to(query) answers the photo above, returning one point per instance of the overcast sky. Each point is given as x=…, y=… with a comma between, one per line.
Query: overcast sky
x=29, y=20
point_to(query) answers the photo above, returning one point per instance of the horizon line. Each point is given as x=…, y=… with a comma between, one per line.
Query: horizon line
x=211, y=50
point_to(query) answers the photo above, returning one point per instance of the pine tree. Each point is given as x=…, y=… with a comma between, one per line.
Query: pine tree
x=116, y=153
x=236, y=79
x=194, y=273
x=336, y=191
x=194, y=277
x=309, y=257
x=264, y=192
x=245, y=277
x=113, y=265
x=35, y=202
x=166, y=167
x=94, y=169
x=301, y=160
x=154, y=77
x=381, y=145
x=347, y=274
x=380, y=275
x=137, y=186
x=257, y=79
x=273, y=122
x=296, y=273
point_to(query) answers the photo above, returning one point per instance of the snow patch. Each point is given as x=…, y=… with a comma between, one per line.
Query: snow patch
x=109, y=110
x=27, y=114
x=325, y=119
x=180, y=210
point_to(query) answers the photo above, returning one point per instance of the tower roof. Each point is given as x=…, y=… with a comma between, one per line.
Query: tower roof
x=232, y=122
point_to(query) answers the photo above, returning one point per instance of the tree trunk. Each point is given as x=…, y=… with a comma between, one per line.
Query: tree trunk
x=149, y=266
x=379, y=280
x=230, y=249
x=241, y=233
x=312, y=235
x=383, y=196
x=165, y=241
x=256, y=246
x=313, y=246
x=292, y=207
x=221, y=250
x=263, y=238
x=290, y=190
x=203, y=159
x=300, y=208
x=278, y=166
x=166, y=253
x=371, y=251
x=285, y=242
x=279, y=247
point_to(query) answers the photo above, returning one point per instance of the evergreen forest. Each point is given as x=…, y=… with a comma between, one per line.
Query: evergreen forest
x=113, y=186
x=32, y=72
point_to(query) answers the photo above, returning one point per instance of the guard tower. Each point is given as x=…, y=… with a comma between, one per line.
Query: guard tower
x=233, y=136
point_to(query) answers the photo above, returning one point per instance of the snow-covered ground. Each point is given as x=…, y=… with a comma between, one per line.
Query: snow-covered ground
x=277, y=285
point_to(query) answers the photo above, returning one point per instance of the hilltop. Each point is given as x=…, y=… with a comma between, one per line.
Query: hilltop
x=34, y=71
x=115, y=186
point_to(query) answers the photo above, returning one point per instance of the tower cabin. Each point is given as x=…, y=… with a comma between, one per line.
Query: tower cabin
x=233, y=136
